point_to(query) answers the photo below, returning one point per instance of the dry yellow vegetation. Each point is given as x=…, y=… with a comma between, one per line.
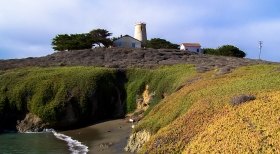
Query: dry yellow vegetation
x=200, y=119
x=249, y=128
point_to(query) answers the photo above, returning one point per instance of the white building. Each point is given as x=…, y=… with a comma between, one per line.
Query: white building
x=192, y=47
x=140, y=32
x=127, y=42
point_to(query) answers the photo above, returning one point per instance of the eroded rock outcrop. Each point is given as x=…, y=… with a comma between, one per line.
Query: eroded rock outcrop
x=137, y=140
x=144, y=102
x=31, y=123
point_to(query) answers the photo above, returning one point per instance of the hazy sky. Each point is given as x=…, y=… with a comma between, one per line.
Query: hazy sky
x=28, y=26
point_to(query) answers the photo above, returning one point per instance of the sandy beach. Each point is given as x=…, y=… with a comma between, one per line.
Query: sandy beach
x=104, y=138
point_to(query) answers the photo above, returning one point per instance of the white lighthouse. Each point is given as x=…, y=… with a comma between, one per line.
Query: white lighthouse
x=140, y=32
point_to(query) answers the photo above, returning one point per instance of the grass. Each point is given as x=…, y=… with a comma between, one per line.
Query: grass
x=46, y=91
x=162, y=81
x=187, y=114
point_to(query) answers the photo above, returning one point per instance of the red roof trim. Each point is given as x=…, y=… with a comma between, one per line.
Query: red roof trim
x=191, y=44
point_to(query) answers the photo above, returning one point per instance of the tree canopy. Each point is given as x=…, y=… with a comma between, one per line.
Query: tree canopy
x=101, y=36
x=81, y=41
x=158, y=43
x=72, y=42
x=226, y=50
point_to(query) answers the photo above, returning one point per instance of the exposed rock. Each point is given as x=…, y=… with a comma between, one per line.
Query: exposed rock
x=242, y=99
x=143, y=103
x=105, y=146
x=224, y=70
x=31, y=123
x=137, y=140
x=125, y=58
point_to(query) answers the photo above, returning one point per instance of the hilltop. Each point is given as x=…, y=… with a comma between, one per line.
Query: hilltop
x=126, y=58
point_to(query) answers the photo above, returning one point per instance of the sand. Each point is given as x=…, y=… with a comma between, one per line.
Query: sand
x=104, y=138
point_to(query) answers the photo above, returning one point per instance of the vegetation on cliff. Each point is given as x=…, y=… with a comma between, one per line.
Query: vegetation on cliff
x=66, y=95
x=49, y=92
x=199, y=118
x=162, y=82
x=198, y=108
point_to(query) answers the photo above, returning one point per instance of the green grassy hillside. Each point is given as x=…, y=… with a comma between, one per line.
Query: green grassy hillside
x=48, y=92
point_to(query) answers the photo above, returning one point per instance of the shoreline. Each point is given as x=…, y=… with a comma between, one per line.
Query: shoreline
x=105, y=137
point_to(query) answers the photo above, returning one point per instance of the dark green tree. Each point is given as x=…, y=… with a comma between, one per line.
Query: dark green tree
x=61, y=42
x=101, y=36
x=210, y=51
x=230, y=50
x=158, y=43
x=72, y=42
x=226, y=50
x=82, y=41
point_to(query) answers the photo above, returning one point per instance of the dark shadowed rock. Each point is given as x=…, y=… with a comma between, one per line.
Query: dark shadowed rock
x=224, y=70
x=242, y=99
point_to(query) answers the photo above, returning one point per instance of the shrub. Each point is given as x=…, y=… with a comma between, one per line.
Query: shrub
x=226, y=50
x=229, y=50
x=158, y=43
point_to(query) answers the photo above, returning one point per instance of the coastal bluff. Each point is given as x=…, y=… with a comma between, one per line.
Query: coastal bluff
x=174, y=97
x=27, y=80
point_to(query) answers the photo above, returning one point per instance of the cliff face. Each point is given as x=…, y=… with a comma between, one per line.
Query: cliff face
x=61, y=97
x=67, y=97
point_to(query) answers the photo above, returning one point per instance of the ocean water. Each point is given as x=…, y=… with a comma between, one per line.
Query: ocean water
x=49, y=142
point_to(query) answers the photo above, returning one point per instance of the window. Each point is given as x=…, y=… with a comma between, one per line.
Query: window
x=133, y=45
x=197, y=50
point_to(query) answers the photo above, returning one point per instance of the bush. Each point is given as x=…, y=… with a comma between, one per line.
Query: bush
x=226, y=50
x=210, y=51
x=158, y=43
x=229, y=50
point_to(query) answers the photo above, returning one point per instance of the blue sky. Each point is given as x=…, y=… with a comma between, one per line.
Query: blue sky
x=28, y=26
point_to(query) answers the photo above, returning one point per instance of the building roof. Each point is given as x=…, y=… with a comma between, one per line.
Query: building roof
x=127, y=36
x=191, y=44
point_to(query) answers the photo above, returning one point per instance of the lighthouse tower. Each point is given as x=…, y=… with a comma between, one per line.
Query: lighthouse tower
x=140, y=32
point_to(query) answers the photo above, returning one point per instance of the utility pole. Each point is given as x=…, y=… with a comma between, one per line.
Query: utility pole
x=260, y=46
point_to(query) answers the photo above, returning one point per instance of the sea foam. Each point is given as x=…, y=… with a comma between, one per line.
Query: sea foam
x=75, y=146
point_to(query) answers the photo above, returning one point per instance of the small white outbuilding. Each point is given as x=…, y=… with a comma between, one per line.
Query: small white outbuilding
x=192, y=47
x=127, y=42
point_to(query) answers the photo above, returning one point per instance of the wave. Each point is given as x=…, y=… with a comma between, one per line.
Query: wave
x=75, y=146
